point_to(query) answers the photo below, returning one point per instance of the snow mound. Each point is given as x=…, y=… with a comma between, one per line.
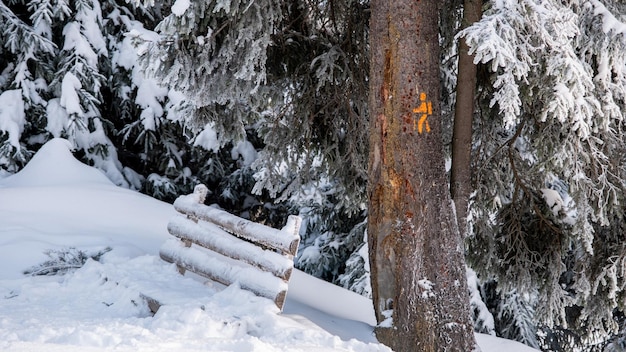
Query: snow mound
x=490, y=343
x=57, y=202
x=55, y=165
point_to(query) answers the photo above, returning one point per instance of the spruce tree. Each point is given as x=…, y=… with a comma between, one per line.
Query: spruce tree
x=58, y=56
x=290, y=78
x=549, y=179
x=25, y=56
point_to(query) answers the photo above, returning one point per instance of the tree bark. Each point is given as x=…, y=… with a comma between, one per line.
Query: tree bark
x=460, y=173
x=417, y=267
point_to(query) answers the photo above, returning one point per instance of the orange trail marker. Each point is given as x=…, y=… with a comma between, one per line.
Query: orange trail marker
x=426, y=109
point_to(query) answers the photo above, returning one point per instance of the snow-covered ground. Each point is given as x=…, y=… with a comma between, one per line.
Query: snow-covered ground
x=57, y=203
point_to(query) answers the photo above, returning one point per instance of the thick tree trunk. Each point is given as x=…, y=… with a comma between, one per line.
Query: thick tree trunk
x=460, y=173
x=416, y=253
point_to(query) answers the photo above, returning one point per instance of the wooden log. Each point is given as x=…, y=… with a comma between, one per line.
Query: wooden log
x=153, y=304
x=293, y=228
x=284, y=241
x=216, y=239
x=224, y=270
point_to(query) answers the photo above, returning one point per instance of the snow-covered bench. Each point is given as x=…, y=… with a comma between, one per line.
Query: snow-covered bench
x=228, y=249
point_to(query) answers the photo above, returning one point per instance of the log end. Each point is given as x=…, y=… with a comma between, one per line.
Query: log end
x=280, y=299
x=200, y=192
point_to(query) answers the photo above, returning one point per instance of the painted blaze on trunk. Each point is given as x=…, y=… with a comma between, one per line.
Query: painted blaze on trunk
x=416, y=253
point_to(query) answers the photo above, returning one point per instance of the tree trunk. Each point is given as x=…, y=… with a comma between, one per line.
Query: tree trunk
x=416, y=252
x=460, y=173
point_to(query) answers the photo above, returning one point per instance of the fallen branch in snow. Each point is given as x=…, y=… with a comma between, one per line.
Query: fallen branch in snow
x=64, y=260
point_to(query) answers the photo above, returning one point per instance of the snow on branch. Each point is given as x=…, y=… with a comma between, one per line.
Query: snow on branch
x=12, y=116
x=215, y=53
x=609, y=22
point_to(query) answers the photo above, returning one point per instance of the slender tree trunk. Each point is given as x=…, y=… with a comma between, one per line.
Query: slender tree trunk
x=416, y=252
x=460, y=173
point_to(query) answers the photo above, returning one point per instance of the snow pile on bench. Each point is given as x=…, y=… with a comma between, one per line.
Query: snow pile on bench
x=228, y=249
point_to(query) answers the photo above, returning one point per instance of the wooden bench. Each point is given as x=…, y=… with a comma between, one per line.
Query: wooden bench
x=225, y=248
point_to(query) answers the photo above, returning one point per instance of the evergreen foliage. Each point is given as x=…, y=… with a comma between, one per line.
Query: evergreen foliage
x=57, y=55
x=481, y=315
x=69, y=70
x=215, y=53
x=549, y=168
x=291, y=77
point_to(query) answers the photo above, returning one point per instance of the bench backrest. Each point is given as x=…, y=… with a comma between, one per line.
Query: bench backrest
x=228, y=249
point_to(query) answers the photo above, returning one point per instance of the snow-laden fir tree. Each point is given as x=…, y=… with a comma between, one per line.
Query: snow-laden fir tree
x=56, y=59
x=78, y=83
x=70, y=70
x=22, y=83
x=318, y=65
x=549, y=158
x=292, y=76
x=215, y=53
